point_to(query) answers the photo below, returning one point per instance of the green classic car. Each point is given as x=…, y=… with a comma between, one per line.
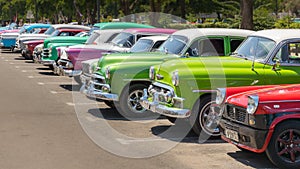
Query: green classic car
x=121, y=78
x=50, y=55
x=184, y=88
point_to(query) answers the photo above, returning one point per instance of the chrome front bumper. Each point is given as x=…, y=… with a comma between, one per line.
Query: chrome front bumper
x=62, y=71
x=90, y=91
x=47, y=62
x=155, y=107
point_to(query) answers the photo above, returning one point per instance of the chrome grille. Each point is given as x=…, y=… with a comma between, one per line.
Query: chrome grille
x=236, y=113
x=46, y=52
x=85, y=68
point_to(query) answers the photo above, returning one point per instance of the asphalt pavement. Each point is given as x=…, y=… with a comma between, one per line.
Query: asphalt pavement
x=45, y=123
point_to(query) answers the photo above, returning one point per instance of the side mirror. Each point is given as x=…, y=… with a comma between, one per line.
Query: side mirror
x=276, y=66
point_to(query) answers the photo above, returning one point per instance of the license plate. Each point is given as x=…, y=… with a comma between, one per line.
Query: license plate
x=233, y=135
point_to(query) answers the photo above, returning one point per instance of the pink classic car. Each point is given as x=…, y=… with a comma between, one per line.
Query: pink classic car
x=71, y=65
x=263, y=119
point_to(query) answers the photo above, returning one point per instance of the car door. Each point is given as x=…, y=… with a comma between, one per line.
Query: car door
x=284, y=66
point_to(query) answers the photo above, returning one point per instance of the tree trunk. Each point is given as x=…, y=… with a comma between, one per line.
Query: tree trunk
x=155, y=12
x=182, y=10
x=247, y=14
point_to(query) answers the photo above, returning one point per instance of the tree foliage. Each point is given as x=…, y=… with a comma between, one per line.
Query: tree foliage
x=228, y=11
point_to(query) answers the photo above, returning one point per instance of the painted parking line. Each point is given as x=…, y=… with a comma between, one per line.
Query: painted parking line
x=83, y=104
x=60, y=92
x=141, y=140
x=40, y=77
x=29, y=71
x=55, y=83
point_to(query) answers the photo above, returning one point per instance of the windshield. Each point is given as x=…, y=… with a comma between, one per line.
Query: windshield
x=92, y=29
x=81, y=34
x=174, y=44
x=124, y=39
x=55, y=33
x=256, y=48
x=142, y=45
x=92, y=38
x=50, y=31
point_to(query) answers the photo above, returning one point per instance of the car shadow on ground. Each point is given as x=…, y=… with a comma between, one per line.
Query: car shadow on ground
x=252, y=159
x=113, y=114
x=43, y=68
x=6, y=51
x=47, y=73
x=19, y=58
x=69, y=87
x=182, y=133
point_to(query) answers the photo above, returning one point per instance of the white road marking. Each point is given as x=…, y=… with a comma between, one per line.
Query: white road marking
x=37, y=77
x=139, y=140
x=81, y=104
x=56, y=83
x=56, y=92
x=25, y=71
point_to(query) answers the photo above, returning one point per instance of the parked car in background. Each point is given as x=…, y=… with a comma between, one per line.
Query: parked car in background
x=83, y=51
x=9, y=39
x=51, y=31
x=48, y=58
x=185, y=88
x=72, y=66
x=263, y=119
x=120, y=78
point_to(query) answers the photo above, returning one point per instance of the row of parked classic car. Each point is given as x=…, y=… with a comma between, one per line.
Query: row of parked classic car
x=239, y=84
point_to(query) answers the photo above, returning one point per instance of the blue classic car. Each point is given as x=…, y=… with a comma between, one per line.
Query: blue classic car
x=8, y=40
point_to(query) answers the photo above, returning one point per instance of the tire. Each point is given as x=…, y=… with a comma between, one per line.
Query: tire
x=109, y=103
x=78, y=80
x=284, y=144
x=171, y=119
x=205, y=122
x=129, y=102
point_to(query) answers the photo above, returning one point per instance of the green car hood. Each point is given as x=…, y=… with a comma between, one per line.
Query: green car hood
x=64, y=39
x=125, y=58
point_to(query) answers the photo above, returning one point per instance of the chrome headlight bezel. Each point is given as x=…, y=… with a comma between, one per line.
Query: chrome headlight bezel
x=252, y=104
x=69, y=65
x=220, y=95
x=152, y=73
x=107, y=73
x=175, y=78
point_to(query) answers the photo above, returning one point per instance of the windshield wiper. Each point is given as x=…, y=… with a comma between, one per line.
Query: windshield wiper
x=239, y=55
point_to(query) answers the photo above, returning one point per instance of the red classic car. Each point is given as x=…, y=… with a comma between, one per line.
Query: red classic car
x=263, y=119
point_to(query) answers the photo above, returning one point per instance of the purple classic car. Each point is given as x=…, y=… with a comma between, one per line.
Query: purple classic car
x=71, y=65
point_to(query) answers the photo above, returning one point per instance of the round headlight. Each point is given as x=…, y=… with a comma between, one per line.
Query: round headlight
x=220, y=96
x=175, y=78
x=252, y=104
x=107, y=73
x=69, y=65
x=152, y=73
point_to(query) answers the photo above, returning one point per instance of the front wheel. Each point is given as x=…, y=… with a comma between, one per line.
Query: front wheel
x=205, y=117
x=284, y=147
x=129, y=101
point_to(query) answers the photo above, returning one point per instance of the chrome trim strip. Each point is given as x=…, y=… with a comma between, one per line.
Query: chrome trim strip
x=163, y=86
x=280, y=101
x=204, y=91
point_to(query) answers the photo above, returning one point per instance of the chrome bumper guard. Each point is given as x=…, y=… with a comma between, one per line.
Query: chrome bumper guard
x=47, y=62
x=88, y=88
x=155, y=107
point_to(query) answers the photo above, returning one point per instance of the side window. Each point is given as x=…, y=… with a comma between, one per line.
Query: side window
x=140, y=36
x=234, y=44
x=211, y=47
x=64, y=34
x=289, y=53
x=157, y=44
x=109, y=39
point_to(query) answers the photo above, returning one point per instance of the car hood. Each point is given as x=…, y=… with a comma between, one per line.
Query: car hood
x=274, y=94
x=64, y=39
x=147, y=57
x=33, y=36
